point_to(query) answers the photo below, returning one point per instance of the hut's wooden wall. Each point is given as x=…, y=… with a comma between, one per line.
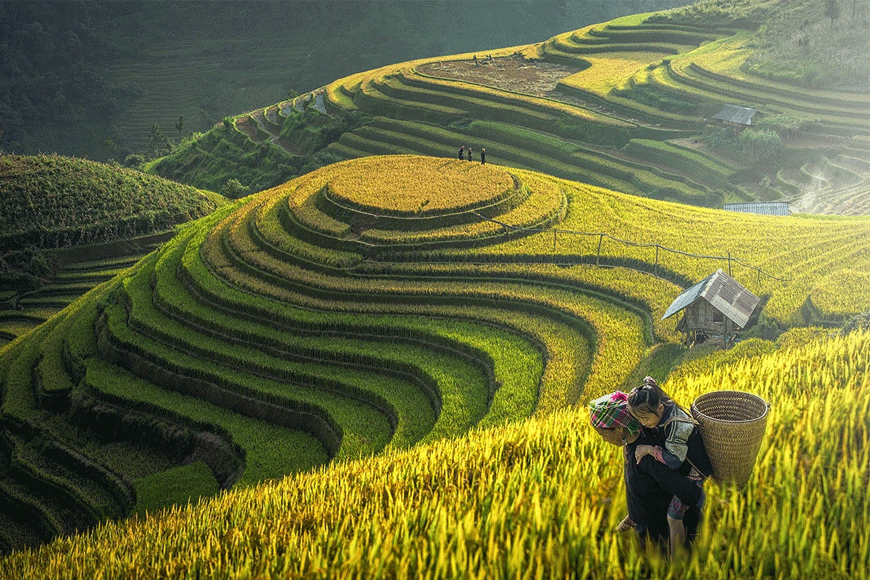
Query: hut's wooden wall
x=702, y=316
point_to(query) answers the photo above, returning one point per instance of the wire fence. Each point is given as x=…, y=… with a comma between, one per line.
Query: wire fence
x=658, y=248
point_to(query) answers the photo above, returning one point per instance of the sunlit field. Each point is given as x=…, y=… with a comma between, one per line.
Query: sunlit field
x=373, y=357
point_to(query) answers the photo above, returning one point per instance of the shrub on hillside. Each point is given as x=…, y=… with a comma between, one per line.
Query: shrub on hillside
x=233, y=189
x=719, y=138
x=134, y=160
x=592, y=132
x=658, y=99
x=760, y=144
x=858, y=322
x=786, y=124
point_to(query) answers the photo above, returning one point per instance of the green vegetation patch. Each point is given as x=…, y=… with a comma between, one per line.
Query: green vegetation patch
x=53, y=201
x=180, y=485
x=224, y=153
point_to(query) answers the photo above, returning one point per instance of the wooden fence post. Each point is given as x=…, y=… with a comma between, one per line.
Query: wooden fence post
x=598, y=255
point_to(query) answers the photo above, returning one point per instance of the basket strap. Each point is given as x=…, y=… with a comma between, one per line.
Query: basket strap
x=672, y=419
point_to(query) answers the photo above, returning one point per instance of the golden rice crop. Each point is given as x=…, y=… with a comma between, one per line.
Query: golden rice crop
x=605, y=73
x=619, y=333
x=631, y=287
x=528, y=102
x=418, y=185
x=535, y=500
x=795, y=251
x=837, y=294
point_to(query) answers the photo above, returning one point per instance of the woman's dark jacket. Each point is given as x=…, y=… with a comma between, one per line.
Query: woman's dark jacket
x=650, y=485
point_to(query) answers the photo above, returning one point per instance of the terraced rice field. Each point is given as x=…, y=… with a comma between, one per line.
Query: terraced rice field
x=592, y=94
x=367, y=307
x=447, y=316
x=586, y=105
x=27, y=311
x=537, y=94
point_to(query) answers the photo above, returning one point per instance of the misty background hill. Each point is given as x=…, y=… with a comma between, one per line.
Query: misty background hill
x=105, y=79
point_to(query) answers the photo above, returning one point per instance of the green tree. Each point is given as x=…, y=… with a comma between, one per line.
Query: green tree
x=135, y=160
x=233, y=189
x=761, y=144
x=157, y=138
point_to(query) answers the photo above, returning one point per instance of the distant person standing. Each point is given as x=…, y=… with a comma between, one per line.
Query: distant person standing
x=469, y=153
x=461, y=149
x=483, y=156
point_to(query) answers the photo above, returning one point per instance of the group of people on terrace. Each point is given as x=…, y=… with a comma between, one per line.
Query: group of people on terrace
x=666, y=463
x=467, y=150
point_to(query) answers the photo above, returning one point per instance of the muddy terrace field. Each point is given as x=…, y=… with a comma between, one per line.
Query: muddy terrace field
x=515, y=74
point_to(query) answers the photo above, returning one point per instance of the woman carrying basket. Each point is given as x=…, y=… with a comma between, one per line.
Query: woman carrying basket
x=676, y=443
x=649, y=485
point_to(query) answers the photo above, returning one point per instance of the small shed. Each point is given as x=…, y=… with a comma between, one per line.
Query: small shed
x=716, y=307
x=737, y=116
x=760, y=207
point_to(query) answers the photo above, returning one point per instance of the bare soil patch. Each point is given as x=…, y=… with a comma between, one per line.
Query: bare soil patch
x=246, y=126
x=515, y=74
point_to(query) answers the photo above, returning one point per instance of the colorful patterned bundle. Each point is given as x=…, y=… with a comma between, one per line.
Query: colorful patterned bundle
x=611, y=411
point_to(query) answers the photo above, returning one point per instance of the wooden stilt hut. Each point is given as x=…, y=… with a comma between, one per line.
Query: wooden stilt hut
x=715, y=308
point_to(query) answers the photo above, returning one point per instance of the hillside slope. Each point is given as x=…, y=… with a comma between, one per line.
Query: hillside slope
x=629, y=105
x=252, y=345
x=106, y=79
x=535, y=499
x=49, y=201
x=67, y=224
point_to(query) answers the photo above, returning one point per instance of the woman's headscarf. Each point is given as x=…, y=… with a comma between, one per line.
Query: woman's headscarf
x=611, y=412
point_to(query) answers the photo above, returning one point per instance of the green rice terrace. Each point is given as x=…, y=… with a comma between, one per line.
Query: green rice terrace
x=372, y=305
x=630, y=105
x=68, y=224
x=376, y=364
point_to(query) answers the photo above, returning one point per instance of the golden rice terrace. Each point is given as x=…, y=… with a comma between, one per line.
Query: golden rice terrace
x=420, y=187
x=372, y=305
x=371, y=314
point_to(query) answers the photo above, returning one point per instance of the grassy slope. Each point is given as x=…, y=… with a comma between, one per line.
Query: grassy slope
x=62, y=201
x=496, y=504
x=541, y=493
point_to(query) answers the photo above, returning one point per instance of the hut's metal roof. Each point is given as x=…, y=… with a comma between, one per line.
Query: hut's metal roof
x=760, y=207
x=723, y=292
x=736, y=114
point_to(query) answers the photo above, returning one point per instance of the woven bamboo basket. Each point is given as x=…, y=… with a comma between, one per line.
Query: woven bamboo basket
x=732, y=425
